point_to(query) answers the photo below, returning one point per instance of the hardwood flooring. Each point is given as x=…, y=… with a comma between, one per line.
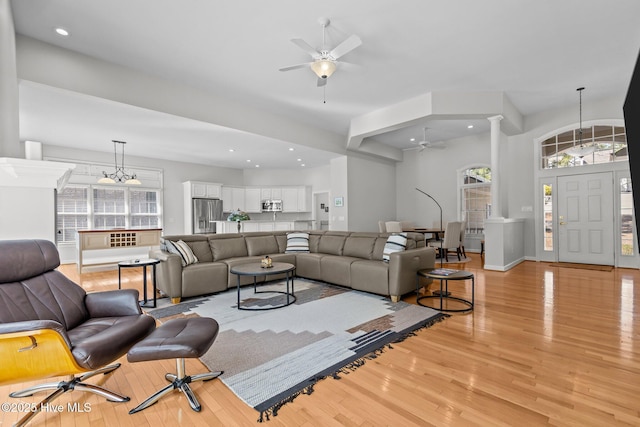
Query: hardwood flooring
x=544, y=346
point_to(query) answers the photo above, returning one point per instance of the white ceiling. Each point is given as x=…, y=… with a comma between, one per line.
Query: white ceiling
x=535, y=51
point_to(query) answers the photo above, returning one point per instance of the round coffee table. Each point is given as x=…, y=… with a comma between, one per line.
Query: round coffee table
x=255, y=269
x=446, y=275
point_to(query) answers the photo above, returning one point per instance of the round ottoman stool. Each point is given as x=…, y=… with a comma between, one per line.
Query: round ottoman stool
x=177, y=339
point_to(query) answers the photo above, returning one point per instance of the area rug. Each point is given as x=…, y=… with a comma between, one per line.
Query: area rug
x=595, y=267
x=271, y=357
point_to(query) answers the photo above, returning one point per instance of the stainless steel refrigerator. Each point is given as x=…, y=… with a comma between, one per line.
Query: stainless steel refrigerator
x=205, y=214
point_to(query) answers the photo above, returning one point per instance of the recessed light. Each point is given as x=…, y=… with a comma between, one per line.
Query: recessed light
x=470, y=127
x=290, y=149
x=303, y=164
x=248, y=160
x=257, y=166
x=231, y=150
x=299, y=160
x=412, y=139
x=61, y=31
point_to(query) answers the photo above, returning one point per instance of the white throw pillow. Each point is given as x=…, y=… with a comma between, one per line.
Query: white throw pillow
x=297, y=243
x=181, y=248
x=397, y=242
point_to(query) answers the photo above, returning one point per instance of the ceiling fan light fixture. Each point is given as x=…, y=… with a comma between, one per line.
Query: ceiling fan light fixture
x=323, y=68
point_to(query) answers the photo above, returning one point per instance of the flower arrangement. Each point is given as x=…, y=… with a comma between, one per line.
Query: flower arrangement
x=238, y=216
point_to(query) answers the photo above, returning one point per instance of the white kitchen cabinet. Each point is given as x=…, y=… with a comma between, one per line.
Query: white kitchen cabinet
x=233, y=198
x=208, y=190
x=283, y=226
x=253, y=199
x=227, y=205
x=271, y=193
x=266, y=226
x=248, y=226
x=304, y=199
x=296, y=199
x=290, y=199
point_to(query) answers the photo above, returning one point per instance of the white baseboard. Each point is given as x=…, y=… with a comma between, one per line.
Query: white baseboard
x=504, y=267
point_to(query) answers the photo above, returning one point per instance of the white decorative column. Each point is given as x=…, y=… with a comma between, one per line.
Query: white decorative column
x=9, y=124
x=496, y=205
x=504, y=237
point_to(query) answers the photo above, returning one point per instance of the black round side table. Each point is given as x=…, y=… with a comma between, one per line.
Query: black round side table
x=444, y=276
x=141, y=263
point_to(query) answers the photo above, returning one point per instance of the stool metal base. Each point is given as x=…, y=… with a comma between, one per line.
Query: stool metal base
x=180, y=381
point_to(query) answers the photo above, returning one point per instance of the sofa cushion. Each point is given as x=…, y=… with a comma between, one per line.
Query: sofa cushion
x=297, y=243
x=204, y=278
x=308, y=265
x=182, y=249
x=397, y=242
x=282, y=242
x=360, y=247
x=201, y=250
x=337, y=269
x=228, y=248
x=370, y=276
x=261, y=245
x=331, y=245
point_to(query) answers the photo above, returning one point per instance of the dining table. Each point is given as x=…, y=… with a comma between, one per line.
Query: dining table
x=436, y=232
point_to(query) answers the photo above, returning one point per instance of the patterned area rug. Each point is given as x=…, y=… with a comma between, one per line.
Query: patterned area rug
x=270, y=357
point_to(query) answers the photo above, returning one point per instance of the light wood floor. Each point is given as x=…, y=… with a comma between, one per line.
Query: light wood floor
x=544, y=346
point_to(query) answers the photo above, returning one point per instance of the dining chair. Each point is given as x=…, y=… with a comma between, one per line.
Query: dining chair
x=393, y=227
x=463, y=227
x=451, y=241
x=382, y=227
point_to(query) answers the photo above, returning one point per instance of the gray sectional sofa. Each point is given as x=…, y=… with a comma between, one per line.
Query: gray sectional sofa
x=351, y=259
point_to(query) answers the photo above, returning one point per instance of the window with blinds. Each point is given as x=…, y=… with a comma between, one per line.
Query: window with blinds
x=82, y=207
x=475, y=198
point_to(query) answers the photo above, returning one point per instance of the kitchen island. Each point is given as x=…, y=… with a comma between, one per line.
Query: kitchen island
x=262, y=225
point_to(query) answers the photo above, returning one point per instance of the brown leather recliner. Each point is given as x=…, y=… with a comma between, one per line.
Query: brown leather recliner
x=49, y=326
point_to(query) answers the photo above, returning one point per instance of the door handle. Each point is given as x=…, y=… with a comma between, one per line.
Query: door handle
x=562, y=223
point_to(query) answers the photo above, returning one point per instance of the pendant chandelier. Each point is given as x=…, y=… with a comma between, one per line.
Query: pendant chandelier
x=119, y=175
x=580, y=150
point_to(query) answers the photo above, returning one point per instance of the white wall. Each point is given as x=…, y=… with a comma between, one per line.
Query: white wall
x=314, y=177
x=338, y=177
x=371, y=189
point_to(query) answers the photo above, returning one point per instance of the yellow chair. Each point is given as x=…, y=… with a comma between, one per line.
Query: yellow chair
x=50, y=327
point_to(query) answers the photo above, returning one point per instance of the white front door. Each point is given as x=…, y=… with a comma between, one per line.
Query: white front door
x=585, y=219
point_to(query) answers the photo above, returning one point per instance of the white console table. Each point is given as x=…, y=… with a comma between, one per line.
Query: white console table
x=114, y=239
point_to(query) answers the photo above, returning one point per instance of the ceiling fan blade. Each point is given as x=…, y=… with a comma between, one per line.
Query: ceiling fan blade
x=295, y=67
x=322, y=82
x=346, y=46
x=306, y=47
x=437, y=144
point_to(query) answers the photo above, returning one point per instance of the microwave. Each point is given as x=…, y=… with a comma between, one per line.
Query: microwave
x=272, y=205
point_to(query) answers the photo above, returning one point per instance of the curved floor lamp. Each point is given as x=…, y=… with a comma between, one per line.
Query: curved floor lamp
x=431, y=197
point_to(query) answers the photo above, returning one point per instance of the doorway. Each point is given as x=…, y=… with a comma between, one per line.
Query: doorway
x=585, y=218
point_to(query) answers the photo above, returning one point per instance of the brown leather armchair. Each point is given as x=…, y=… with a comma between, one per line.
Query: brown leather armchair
x=49, y=326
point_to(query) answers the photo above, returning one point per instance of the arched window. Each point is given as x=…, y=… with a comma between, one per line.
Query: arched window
x=600, y=144
x=475, y=198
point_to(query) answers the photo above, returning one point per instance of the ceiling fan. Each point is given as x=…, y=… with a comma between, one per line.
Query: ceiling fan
x=324, y=61
x=421, y=145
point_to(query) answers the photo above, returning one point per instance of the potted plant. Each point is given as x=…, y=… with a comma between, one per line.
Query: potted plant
x=238, y=216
